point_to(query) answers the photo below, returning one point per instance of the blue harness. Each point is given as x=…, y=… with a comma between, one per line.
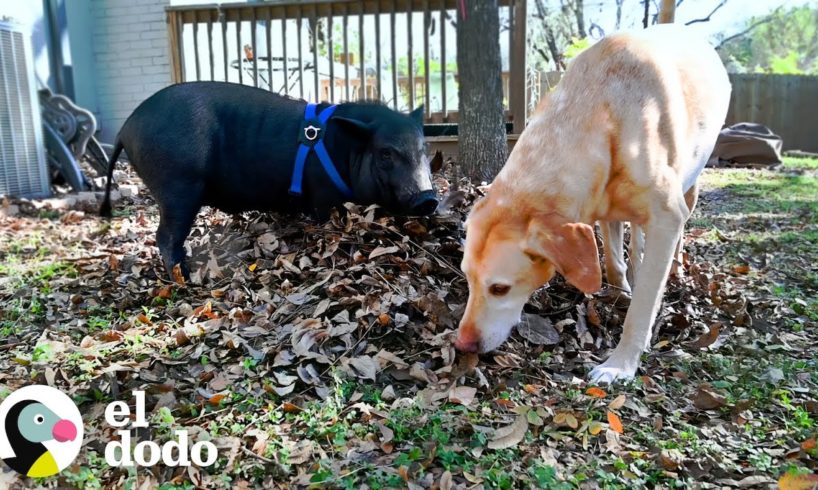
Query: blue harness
x=312, y=137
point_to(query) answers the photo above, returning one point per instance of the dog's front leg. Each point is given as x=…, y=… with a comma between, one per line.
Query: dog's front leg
x=636, y=248
x=615, y=268
x=661, y=235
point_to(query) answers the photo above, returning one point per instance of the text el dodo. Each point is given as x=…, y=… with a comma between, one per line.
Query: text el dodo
x=149, y=453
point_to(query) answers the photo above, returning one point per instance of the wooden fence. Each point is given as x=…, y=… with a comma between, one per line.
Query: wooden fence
x=334, y=50
x=787, y=104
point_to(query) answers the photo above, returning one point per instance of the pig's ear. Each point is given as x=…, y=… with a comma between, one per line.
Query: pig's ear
x=361, y=128
x=571, y=247
x=437, y=162
x=417, y=115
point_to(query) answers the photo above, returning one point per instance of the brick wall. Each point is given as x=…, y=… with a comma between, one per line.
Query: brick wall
x=130, y=45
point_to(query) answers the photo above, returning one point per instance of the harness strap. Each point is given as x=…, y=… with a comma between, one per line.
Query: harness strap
x=312, y=137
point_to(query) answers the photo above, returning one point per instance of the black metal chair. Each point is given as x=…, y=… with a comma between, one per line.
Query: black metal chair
x=68, y=132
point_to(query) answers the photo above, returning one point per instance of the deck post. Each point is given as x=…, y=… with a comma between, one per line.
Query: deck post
x=517, y=75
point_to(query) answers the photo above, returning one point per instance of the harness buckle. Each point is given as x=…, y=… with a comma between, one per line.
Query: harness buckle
x=311, y=132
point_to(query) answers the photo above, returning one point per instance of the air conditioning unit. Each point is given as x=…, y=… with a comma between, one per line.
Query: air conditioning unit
x=23, y=171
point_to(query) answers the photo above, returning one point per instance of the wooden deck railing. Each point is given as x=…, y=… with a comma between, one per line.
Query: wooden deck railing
x=399, y=51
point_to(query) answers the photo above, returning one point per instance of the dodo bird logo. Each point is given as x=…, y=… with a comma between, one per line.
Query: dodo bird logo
x=40, y=431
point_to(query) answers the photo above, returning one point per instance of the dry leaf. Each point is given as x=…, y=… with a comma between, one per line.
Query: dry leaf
x=615, y=422
x=464, y=395
x=378, y=251
x=216, y=399
x=465, y=364
x=538, y=330
x=708, y=338
x=618, y=402
x=595, y=428
x=741, y=269
x=706, y=398
x=671, y=459
x=596, y=392
x=511, y=435
x=791, y=481
x=445, y=482
x=566, y=419
x=284, y=390
x=364, y=367
x=164, y=292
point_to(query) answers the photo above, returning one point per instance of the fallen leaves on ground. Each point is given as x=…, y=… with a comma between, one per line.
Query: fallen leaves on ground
x=320, y=354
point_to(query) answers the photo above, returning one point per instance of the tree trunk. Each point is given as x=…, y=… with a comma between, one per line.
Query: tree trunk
x=482, y=142
x=579, y=12
x=667, y=12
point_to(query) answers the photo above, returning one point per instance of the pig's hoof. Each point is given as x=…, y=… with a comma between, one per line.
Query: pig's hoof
x=180, y=274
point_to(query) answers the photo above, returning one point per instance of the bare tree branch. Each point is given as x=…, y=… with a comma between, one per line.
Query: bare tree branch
x=749, y=28
x=550, y=38
x=596, y=31
x=647, y=14
x=707, y=19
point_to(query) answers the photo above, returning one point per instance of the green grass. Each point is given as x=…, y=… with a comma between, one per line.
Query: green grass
x=767, y=217
x=797, y=163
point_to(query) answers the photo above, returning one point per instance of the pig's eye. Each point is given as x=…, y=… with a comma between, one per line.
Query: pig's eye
x=499, y=289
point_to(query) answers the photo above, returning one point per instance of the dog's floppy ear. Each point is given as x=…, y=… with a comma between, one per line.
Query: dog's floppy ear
x=571, y=247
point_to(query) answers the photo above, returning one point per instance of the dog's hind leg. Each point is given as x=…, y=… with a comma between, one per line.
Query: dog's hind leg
x=615, y=267
x=691, y=198
x=661, y=234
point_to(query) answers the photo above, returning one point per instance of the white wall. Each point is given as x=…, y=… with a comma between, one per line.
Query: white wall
x=129, y=41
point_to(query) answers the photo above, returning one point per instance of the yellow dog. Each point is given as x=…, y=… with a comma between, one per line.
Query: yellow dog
x=623, y=138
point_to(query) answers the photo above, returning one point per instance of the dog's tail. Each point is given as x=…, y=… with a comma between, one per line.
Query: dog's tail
x=105, y=208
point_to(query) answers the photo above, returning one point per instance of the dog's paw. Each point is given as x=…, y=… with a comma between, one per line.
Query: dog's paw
x=608, y=372
x=618, y=367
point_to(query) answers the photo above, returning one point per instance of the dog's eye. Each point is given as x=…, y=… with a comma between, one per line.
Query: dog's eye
x=499, y=289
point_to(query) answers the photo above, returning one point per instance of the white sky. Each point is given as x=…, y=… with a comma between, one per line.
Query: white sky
x=727, y=20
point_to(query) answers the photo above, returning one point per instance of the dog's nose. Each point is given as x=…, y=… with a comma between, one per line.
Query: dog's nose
x=466, y=345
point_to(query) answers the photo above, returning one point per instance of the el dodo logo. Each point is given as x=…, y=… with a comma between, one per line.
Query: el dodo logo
x=40, y=431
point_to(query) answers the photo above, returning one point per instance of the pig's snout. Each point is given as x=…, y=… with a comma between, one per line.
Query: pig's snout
x=423, y=203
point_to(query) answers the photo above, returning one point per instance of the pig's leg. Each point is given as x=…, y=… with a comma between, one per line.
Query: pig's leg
x=174, y=227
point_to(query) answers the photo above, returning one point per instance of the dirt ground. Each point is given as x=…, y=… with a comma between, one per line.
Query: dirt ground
x=318, y=354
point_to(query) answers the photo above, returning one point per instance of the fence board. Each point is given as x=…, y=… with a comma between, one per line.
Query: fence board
x=787, y=104
x=784, y=103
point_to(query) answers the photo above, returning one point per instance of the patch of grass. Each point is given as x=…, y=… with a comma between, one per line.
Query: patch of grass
x=767, y=217
x=799, y=163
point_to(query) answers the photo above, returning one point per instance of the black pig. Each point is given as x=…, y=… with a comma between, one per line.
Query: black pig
x=234, y=147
